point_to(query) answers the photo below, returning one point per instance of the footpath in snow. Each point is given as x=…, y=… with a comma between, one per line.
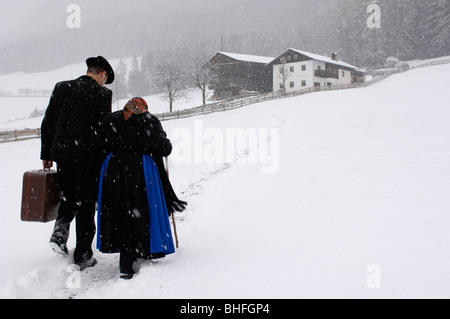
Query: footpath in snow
x=344, y=194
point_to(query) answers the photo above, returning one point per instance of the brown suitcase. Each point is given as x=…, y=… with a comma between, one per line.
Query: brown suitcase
x=41, y=196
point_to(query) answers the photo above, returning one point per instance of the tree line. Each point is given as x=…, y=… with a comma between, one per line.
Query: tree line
x=410, y=29
x=161, y=73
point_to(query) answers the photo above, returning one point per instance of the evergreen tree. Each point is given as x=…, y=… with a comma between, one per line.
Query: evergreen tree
x=403, y=30
x=438, y=27
x=410, y=29
x=146, y=73
x=349, y=22
x=136, y=84
x=120, y=85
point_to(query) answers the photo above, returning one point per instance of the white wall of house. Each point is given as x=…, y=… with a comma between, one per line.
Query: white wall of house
x=302, y=76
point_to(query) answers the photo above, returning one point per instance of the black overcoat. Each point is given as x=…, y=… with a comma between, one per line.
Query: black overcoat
x=124, y=203
x=75, y=110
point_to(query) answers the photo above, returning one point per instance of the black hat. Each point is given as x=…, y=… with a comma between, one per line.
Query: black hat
x=104, y=65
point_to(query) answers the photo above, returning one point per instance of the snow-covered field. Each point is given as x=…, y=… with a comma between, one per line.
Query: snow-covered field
x=16, y=110
x=356, y=204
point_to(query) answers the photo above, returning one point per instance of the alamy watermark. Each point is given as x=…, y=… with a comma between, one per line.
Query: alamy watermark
x=213, y=145
x=73, y=281
x=74, y=19
x=374, y=278
x=374, y=19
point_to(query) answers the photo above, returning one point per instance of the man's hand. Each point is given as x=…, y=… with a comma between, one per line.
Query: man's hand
x=47, y=164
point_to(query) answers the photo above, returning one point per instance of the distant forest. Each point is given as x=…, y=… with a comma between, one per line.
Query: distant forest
x=410, y=29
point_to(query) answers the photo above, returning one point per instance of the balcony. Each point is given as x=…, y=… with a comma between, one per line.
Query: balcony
x=325, y=74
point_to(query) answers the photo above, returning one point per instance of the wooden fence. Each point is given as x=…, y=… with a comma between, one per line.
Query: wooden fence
x=238, y=103
x=19, y=135
x=222, y=106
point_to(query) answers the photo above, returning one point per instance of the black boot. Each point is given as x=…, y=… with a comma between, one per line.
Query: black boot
x=86, y=262
x=60, y=235
x=126, y=265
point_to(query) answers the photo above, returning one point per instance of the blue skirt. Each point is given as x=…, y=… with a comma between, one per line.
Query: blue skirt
x=161, y=240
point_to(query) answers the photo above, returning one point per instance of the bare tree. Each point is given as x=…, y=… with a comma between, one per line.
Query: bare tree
x=202, y=77
x=284, y=74
x=169, y=78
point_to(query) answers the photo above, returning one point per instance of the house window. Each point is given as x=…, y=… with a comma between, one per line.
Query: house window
x=343, y=74
x=291, y=69
x=304, y=67
x=303, y=83
x=291, y=84
x=289, y=58
x=319, y=67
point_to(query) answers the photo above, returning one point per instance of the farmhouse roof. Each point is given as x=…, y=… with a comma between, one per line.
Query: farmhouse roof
x=321, y=58
x=248, y=58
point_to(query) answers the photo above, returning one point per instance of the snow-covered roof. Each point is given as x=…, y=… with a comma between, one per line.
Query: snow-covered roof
x=248, y=58
x=322, y=58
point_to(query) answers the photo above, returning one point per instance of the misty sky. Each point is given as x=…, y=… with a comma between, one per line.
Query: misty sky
x=34, y=35
x=21, y=16
x=14, y=13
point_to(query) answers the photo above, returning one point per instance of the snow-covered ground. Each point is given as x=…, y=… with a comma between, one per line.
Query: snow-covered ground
x=356, y=203
x=419, y=63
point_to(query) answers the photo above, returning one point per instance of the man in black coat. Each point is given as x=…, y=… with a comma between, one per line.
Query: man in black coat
x=75, y=110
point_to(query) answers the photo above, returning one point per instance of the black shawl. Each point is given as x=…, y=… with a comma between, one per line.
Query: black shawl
x=172, y=201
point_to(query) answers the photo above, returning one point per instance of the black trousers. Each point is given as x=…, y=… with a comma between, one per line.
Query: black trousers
x=79, y=183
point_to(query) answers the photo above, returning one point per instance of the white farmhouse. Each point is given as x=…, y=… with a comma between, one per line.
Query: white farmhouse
x=295, y=70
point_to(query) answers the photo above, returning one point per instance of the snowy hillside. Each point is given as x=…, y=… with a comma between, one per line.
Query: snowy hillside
x=20, y=108
x=340, y=194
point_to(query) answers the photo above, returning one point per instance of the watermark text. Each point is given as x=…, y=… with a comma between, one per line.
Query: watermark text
x=74, y=19
x=213, y=145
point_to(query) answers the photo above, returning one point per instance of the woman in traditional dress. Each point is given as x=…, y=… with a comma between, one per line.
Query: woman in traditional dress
x=135, y=194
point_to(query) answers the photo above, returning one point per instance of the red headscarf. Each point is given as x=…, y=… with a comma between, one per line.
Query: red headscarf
x=136, y=105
